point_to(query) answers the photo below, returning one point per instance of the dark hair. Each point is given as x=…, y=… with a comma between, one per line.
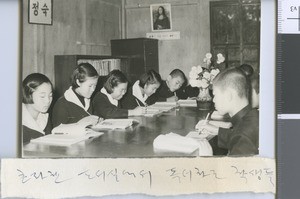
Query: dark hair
x=247, y=69
x=255, y=82
x=233, y=78
x=30, y=84
x=82, y=71
x=163, y=11
x=178, y=73
x=151, y=77
x=114, y=78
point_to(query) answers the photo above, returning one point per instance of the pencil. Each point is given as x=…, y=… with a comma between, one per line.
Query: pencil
x=137, y=101
x=206, y=119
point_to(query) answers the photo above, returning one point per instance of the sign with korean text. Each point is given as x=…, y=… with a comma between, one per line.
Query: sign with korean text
x=40, y=12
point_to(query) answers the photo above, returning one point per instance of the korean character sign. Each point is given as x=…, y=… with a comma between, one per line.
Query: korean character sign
x=40, y=11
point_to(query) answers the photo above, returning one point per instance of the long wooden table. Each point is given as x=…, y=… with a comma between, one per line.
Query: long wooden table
x=136, y=141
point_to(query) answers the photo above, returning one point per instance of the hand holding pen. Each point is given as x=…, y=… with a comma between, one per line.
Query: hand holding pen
x=176, y=99
x=203, y=125
x=140, y=110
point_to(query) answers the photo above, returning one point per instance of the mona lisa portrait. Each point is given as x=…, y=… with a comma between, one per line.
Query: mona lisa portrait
x=161, y=17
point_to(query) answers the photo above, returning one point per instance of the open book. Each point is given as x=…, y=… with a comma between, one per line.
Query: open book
x=66, y=135
x=205, y=134
x=221, y=124
x=114, y=124
x=173, y=142
x=150, y=112
x=217, y=116
x=163, y=106
x=187, y=103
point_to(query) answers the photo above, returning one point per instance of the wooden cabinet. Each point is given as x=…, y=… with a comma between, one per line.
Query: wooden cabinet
x=142, y=52
x=235, y=31
x=64, y=65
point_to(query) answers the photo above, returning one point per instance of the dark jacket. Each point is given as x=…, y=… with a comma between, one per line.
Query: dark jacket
x=103, y=108
x=243, y=138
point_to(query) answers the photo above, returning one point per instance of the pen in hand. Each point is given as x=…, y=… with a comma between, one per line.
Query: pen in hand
x=206, y=119
x=176, y=99
x=137, y=101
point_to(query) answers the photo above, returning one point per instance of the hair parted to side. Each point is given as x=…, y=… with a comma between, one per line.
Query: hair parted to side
x=30, y=84
x=150, y=77
x=235, y=79
x=178, y=73
x=83, y=71
x=114, y=78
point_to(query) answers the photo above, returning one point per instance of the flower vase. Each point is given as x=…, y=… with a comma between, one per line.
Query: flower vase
x=204, y=99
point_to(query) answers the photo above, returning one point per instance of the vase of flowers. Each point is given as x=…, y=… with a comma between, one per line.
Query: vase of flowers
x=201, y=76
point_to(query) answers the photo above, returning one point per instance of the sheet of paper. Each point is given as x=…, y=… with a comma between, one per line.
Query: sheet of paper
x=64, y=177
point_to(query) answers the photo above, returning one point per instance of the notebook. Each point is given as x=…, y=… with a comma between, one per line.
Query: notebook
x=173, y=142
x=150, y=112
x=203, y=135
x=163, y=106
x=114, y=124
x=187, y=103
x=216, y=116
x=70, y=129
x=221, y=124
x=65, y=139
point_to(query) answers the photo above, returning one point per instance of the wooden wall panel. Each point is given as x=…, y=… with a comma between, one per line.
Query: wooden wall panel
x=79, y=26
x=189, y=17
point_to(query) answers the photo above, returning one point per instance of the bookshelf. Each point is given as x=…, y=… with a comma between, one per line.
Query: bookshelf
x=142, y=52
x=64, y=65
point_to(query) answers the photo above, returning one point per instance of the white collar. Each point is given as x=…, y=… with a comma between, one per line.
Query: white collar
x=71, y=97
x=111, y=100
x=37, y=125
x=136, y=91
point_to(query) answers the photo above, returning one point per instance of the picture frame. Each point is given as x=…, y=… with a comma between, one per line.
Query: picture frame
x=40, y=12
x=163, y=21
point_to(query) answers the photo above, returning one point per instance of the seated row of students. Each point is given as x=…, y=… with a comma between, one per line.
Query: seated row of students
x=76, y=105
x=231, y=96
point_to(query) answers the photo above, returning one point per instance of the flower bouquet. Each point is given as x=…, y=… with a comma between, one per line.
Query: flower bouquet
x=201, y=76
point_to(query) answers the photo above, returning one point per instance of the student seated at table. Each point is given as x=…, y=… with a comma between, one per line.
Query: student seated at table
x=106, y=102
x=255, y=90
x=187, y=91
x=143, y=88
x=75, y=106
x=37, y=98
x=168, y=88
x=231, y=90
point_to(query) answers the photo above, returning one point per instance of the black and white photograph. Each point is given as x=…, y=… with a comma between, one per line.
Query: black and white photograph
x=161, y=17
x=94, y=86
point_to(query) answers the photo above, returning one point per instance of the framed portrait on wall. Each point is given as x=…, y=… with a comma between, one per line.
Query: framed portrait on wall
x=161, y=19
